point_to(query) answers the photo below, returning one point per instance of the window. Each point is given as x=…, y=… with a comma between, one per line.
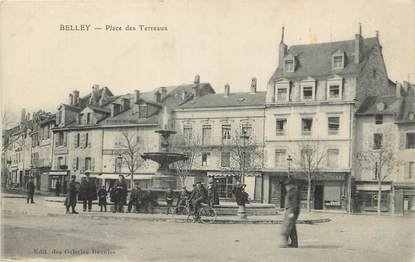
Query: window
x=78, y=140
x=280, y=158
x=280, y=126
x=226, y=132
x=60, y=162
x=377, y=141
x=87, y=163
x=411, y=169
x=306, y=125
x=378, y=119
x=88, y=118
x=206, y=134
x=332, y=158
x=337, y=62
x=307, y=93
x=246, y=130
x=410, y=140
x=118, y=164
x=86, y=140
x=77, y=163
x=334, y=91
x=225, y=159
x=411, y=116
x=205, y=156
x=333, y=125
x=282, y=94
x=187, y=131
x=60, y=139
x=289, y=65
x=306, y=154
x=224, y=186
x=142, y=111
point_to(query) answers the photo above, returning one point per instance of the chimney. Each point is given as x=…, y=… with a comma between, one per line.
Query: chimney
x=282, y=49
x=75, y=97
x=227, y=90
x=70, y=99
x=112, y=108
x=137, y=96
x=163, y=93
x=23, y=115
x=253, y=85
x=358, y=46
x=125, y=104
x=197, y=80
x=398, y=88
x=157, y=96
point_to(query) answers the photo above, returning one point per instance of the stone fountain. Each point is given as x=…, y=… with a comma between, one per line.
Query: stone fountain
x=164, y=177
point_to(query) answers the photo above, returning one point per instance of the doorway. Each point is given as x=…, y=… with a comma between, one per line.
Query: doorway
x=318, y=196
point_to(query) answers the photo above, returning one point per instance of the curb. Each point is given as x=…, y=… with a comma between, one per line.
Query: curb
x=165, y=219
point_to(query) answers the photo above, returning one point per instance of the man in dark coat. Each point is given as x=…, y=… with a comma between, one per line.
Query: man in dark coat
x=88, y=192
x=120, y=194
x=169, y=200
x=292, y=210
x=72, y=192
x=134, y=199
x=199, y=196
x=30, y=189
x=58, y=188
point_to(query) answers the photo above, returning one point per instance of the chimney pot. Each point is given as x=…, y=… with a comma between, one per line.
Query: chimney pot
x=137, y=96
x=197, y=80
x=70, y=99
x=76, y=96
x=253, y=85
x=358, y=45
x=163, y=93
x=227, y=90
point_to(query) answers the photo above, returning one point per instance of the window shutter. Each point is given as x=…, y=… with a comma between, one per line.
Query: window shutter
x=65, y=139
x=65, y=161
x=55, y=163
x=75, y=138
x=406, y=170
x=89, y=140
x=92, y=164
x=74, y=164
x=82, y=142
x=402, y=137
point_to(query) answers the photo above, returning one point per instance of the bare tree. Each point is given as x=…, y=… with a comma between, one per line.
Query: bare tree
x=189, y=145
x=381, y=159
x=309, y=163
x=245, y=154
x=131, y=150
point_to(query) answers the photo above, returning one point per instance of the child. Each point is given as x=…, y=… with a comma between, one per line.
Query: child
x=102, y=196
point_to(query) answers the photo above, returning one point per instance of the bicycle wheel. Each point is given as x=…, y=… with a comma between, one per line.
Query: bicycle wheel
x=207, y=215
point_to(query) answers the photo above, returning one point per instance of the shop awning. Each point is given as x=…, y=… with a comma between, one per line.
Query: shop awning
x=227, y=174
x=115, y=176
x=58, y=173
x=372, y=187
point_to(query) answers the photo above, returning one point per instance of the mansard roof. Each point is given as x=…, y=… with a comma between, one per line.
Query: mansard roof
x=315, y=60
x=240, y=99
x=380, y=105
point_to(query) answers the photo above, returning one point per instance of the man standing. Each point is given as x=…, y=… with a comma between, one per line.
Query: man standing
x=120, y=194
x=292, y=210
x=182, y=201
x=30, y=188
x=58, y=188
x=71, y=196
x=134, y=199
x=199, y=196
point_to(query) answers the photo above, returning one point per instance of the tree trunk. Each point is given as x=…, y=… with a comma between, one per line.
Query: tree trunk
x=379, y=196
x=308, y=193
x=132, y=180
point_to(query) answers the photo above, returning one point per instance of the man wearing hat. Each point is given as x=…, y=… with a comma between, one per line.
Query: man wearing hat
x=199, y=196
x=292, y=210
x=72, y=192
x=30, y=187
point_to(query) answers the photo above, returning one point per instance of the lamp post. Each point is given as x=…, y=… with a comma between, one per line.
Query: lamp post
x=289, y=159
x=244, y=137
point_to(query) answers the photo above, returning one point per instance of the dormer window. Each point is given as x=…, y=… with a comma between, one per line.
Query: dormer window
x=335, y=88
x=289, y=65
x=282, y=91
x=88, y=118
x=338, y=60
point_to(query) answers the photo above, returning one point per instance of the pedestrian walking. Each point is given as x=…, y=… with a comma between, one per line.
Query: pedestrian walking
x=182, y=201
x=71, y=196
x=30, y=189
x=169, y=200
x=120, y=194
x=102, y=198
x=58, y=188
x=289, y=237
x=134, y=199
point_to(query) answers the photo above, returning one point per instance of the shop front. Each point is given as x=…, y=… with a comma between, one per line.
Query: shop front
x=58, y=175
x=367, y=196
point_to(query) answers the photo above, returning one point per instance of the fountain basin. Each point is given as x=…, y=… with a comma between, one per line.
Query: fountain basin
x=164, y=158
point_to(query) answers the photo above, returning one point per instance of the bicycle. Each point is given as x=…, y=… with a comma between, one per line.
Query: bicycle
x=205, y=215
x=182, y=209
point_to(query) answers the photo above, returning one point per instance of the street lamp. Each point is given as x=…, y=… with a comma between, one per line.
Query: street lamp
x=244, y=137
x=289, y=159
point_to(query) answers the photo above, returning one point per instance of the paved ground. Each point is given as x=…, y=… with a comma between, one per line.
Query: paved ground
x=346, y=238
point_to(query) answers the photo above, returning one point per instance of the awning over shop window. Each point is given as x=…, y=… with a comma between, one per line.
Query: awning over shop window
x=58, y=173
x=372, y=187
x=227, y=174
x=115, y=176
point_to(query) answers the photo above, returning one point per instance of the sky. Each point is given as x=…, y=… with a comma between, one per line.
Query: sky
x=223, y=41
